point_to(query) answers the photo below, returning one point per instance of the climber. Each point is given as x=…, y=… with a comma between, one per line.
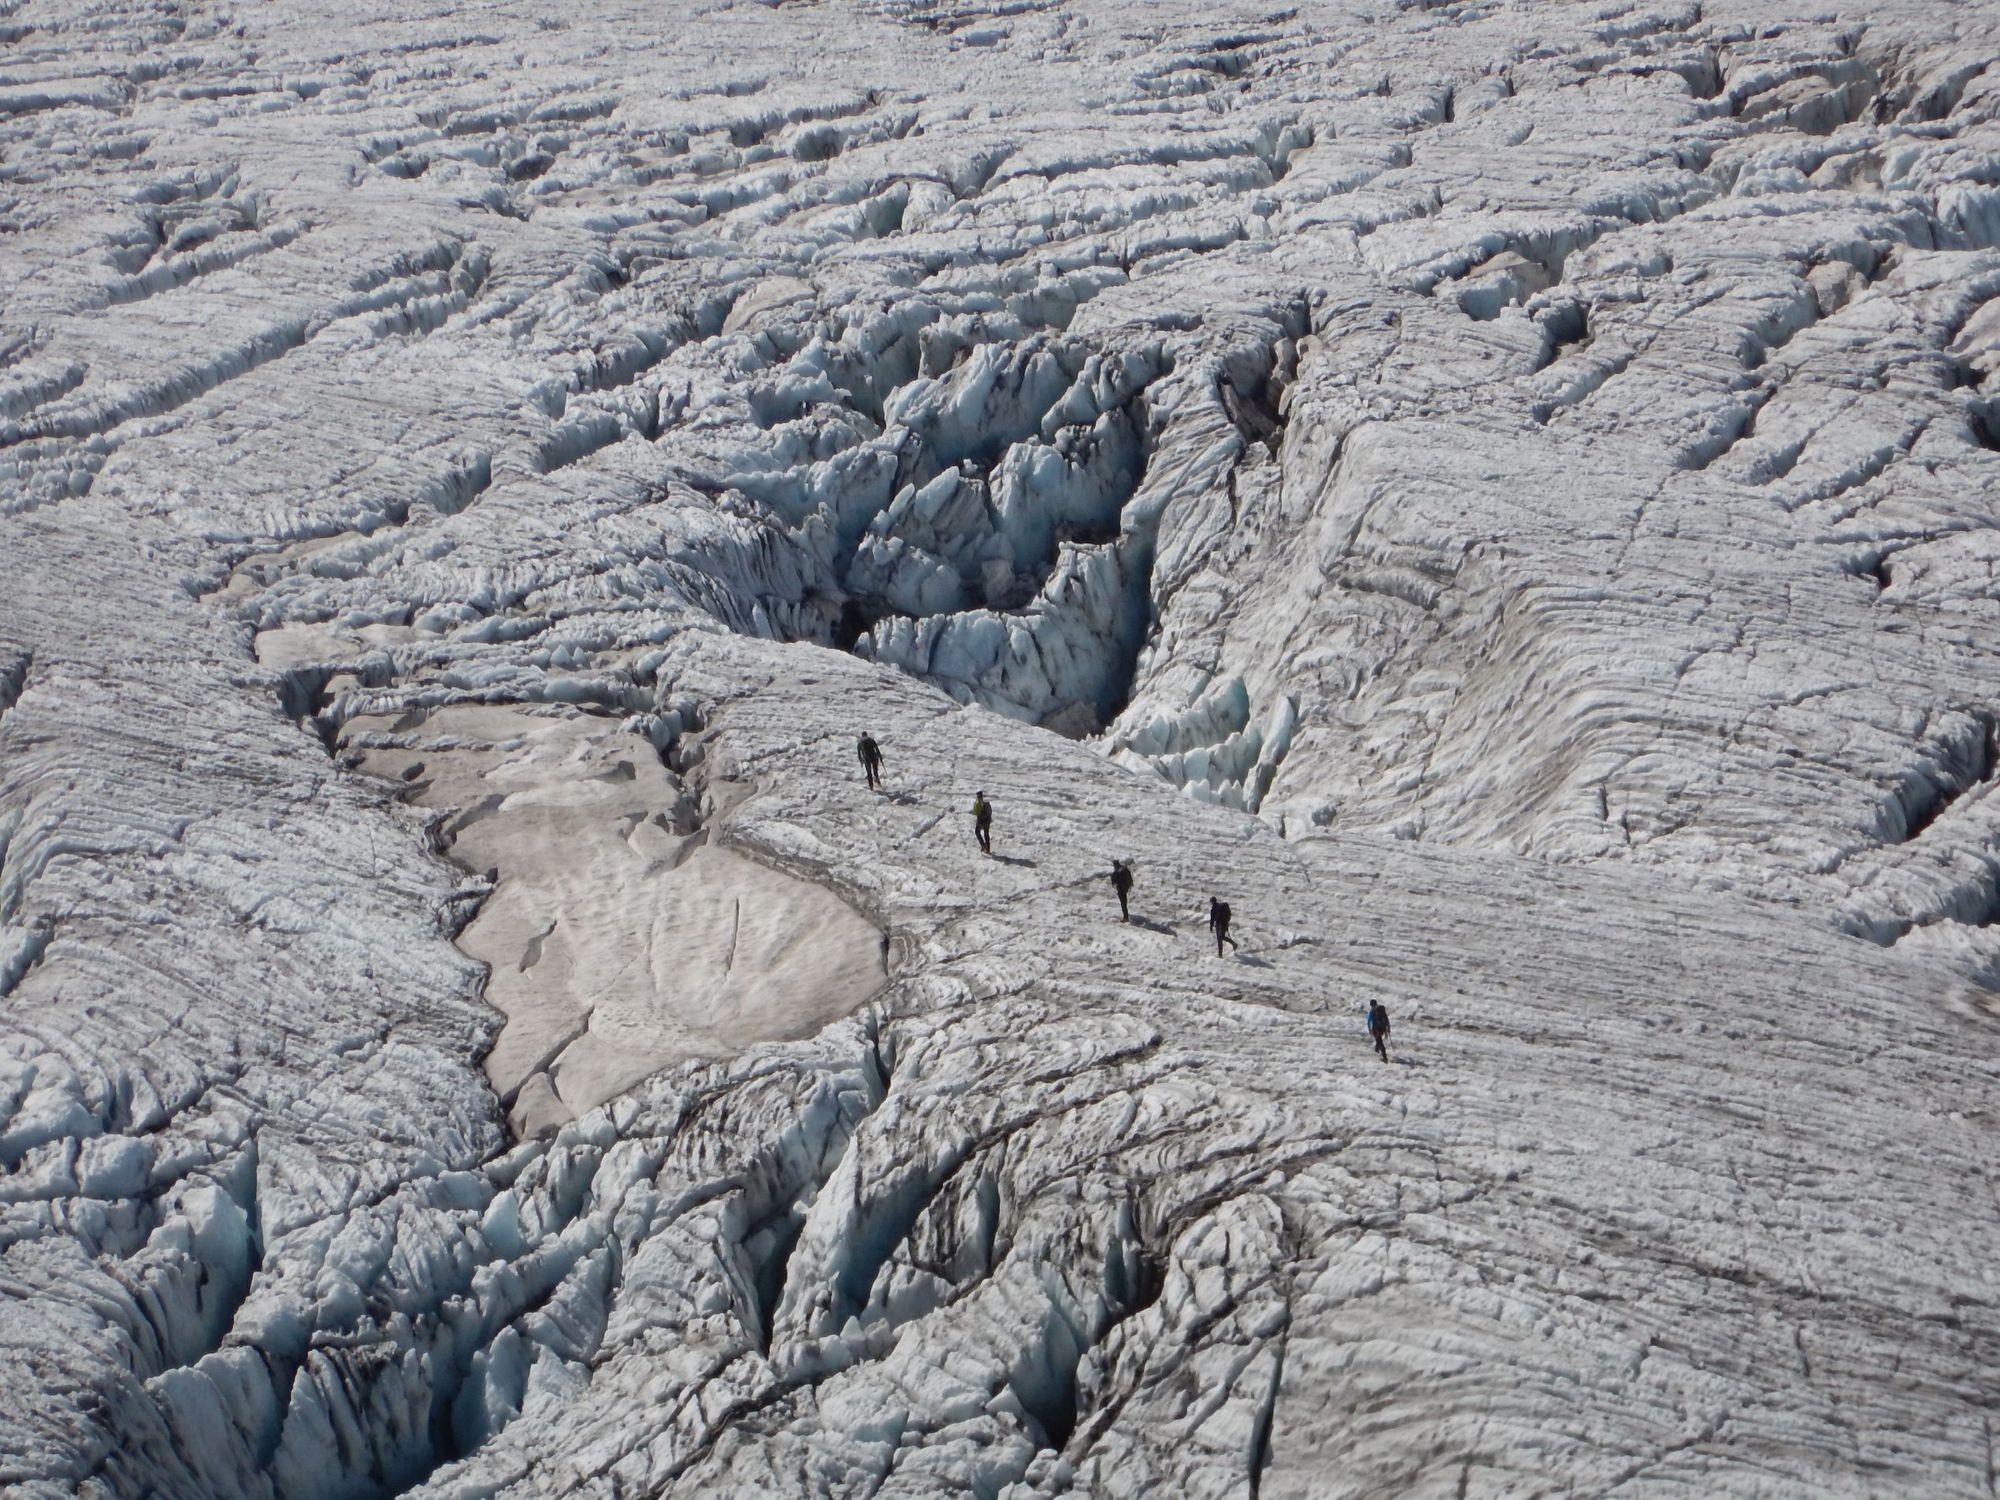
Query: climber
x=871, y=759
x=1378, y=1027
x=982, y=822
x=1218, y=923
x=1121, y=882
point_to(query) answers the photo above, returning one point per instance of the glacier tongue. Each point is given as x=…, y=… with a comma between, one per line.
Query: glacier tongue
x=1502, y=496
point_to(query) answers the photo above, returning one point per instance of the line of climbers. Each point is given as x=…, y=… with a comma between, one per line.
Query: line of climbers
x=1121, y=882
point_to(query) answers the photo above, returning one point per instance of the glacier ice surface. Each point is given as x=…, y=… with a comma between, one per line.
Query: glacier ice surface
x=1504, y=495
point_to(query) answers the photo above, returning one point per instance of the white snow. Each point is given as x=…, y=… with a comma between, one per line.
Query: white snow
x=1504, y=495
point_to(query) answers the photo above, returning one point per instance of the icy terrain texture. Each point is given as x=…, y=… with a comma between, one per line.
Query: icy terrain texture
x=1503, y=494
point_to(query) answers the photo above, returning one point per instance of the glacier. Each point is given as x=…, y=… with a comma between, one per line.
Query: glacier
x=1502, y=492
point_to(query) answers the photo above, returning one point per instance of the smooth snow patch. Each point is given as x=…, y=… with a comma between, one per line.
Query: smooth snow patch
x=619, y=938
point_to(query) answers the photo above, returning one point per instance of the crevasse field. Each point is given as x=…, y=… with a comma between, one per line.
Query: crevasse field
x=1502, y=492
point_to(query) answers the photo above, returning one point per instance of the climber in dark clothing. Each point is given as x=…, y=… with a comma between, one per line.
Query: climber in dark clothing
x=1378, y=1027
x=871, y=759
x=1218, y=923
x=1121, y=882
x=982, y=822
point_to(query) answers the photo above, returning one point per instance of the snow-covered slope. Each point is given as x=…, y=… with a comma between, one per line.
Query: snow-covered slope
x=1502, y=494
